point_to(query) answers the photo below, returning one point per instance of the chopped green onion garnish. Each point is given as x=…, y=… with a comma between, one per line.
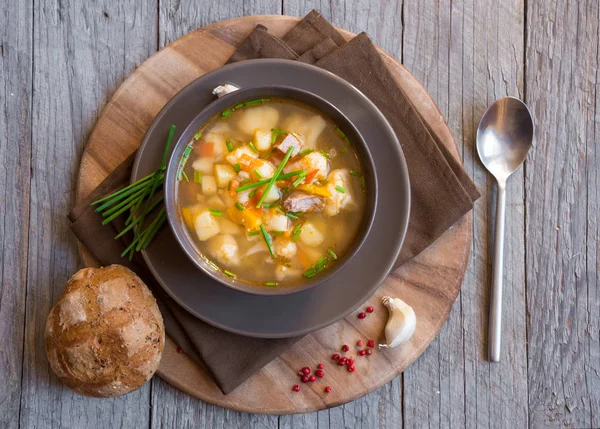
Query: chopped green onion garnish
x=332, y=254
x=229, y=145
x=268, y=154
x=212, y=264
x=342, y=135
x=228, y=273
x=253, y=233
x=251, y=194
x=322, y=261
x=278, y=131
x=277, y=232
x=309, y=273
x=260, y=176
x=198, y=135
x=296, y=232
x=273, y=139
x=270, y=205
x=237, y=167
x=319, y=268
x=362, y=182
x=340, y=189
x=264, y=182
x=306, y=152
x=325, y=154
x=355, y=173
x=215, y=212
x=344, y=150
x=252, y=103
x=271, y=284
x=280, y=211
x=268, y=239
x=274, y=178
x=252, y=147
x=185, y=176
x=299, y=180
x=239, y=207
x=292, y=216
x=237, y=106
x=227, y=113
x=197, y=176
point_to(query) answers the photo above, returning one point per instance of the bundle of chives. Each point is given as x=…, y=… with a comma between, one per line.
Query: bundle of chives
x=140, y=199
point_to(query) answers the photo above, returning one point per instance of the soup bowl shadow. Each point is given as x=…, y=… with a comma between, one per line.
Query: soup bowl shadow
x=222, y=104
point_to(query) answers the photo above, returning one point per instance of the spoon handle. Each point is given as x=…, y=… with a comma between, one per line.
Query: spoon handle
x=495, y=327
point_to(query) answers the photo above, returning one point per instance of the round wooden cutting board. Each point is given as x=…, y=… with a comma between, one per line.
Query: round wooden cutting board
x=429, y=283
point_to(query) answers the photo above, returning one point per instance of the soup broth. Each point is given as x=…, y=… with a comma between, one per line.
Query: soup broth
x=271, y=192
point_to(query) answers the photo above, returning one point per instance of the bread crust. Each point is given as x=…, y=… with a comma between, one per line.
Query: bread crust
x=105, y=335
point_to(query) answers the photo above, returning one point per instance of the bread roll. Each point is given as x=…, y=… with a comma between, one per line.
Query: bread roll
x=105, y=335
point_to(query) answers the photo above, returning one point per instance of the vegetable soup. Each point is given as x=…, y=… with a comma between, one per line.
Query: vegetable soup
x=271, y=192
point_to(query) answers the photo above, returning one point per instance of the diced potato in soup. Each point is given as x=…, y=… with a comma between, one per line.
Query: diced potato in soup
x=261, y=117
x=265, y=230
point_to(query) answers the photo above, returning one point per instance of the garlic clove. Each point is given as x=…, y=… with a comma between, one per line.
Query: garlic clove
x=401, y=323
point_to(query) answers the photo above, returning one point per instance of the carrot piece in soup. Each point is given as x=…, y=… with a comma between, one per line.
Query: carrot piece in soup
x=310, y=176
x=234, y=185
x=206, y=149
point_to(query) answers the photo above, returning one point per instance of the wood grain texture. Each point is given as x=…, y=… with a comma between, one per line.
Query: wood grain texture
x=82, y=51
x=563, y=297
x=418, y=282
x=16, y=66
x=461, y=51
x=469, y=54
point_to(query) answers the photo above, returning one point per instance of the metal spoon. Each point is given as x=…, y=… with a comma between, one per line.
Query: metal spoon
x=504, y=137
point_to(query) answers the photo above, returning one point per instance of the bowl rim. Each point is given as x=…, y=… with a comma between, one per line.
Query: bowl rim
x=198, y=258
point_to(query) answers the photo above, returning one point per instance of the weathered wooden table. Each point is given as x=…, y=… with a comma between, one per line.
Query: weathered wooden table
x=61, y=60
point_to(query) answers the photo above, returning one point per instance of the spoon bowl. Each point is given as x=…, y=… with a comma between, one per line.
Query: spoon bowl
x=504, y=138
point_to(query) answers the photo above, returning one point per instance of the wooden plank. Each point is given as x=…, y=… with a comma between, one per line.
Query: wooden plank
x=179, y=17
x=82, y=52
x=562, y=190
x=15, y=152
x=171, y=408
x=468, y=54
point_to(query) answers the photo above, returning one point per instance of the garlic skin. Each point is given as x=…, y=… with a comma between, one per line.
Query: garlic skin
x=401, y=323
x=225, y=89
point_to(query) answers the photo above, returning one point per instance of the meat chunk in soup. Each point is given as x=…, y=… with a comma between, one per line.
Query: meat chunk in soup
x=292, y=139
x=301, y=202
x=266, y=230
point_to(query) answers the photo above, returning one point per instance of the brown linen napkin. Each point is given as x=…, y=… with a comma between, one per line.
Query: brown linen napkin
x=440, y=189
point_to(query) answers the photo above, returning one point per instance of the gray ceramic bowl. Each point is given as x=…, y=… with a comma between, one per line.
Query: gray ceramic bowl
x=230, y=100
x=281, y=316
